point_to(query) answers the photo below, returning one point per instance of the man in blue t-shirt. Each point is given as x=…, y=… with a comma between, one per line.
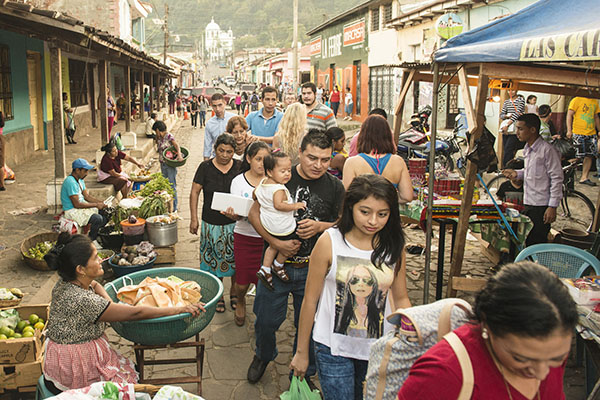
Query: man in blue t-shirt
x=77, y=202
x=264, y=123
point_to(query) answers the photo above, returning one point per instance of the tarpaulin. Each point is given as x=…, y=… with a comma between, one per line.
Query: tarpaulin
x=548, y=30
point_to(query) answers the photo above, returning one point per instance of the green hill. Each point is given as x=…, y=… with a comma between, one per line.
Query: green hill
x=255, y=23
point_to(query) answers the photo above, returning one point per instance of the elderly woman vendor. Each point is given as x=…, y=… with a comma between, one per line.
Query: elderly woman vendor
x=77, y=351
x=110, y=171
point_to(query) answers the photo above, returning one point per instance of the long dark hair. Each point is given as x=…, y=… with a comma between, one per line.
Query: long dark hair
x=388, y=243
x=69, y=252
x=348, y=305
x=375, y=135
x=525, y=299
x=251, y=151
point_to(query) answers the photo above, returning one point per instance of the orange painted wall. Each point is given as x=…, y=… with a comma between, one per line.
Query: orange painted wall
x=323, y=77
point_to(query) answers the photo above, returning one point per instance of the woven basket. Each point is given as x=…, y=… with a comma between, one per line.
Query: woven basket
x=175, y=328
x=9, y=303
x=30, y=242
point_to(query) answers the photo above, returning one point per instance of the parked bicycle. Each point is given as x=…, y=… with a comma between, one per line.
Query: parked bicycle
x=576, y=210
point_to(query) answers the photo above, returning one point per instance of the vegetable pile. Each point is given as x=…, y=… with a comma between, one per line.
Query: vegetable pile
x=40, y=250
x=135, y=255
x=164, y=219
x=157, y=183
x=154, y=204
x=10, y=294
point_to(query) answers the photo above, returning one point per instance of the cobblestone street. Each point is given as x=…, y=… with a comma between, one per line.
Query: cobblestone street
x=229, y=348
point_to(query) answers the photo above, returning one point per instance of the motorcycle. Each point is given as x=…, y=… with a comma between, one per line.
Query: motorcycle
x=415, y=142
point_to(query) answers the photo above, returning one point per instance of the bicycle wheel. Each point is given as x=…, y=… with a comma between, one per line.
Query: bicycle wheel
x=575, y=211
x=495, y=182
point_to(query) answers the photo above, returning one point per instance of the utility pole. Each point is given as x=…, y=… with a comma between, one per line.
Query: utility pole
x=295, y=45
x=166, y=28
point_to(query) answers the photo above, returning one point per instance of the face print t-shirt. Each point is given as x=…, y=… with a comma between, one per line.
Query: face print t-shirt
x=354, y=301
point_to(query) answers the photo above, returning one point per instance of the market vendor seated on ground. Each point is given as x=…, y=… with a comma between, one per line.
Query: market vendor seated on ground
x=110, y=171
x=77, y=203
x=77, y=350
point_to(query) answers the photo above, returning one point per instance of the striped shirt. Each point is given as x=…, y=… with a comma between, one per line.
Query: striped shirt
x=515, y=108
x=321, y=117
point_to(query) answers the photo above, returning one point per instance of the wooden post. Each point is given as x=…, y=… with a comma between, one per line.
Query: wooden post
x=127, y=71
x=476, y=125
x=500, y=152
x=57, y=113
x=102, y=99
x=164, y=92
x=142, y=105
x=407, y=80
x=596, y=223
x=152, y=93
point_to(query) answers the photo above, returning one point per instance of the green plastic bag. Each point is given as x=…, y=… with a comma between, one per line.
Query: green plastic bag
x=299, y=390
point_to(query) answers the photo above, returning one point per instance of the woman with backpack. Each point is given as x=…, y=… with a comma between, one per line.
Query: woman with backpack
x=517, y=343
x=356, y=276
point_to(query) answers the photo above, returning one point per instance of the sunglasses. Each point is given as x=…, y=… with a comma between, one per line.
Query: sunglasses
x=355, y=280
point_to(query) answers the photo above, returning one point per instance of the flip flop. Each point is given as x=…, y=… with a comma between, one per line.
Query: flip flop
x=220, y=306
x=233, y=302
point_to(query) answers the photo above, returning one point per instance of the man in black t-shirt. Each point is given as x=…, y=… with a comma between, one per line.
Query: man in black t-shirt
x=323, y=195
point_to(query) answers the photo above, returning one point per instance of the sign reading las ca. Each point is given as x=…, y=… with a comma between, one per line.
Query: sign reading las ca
x=354, y=32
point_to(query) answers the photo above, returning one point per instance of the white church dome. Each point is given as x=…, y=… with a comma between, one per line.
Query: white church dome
x=213, y=26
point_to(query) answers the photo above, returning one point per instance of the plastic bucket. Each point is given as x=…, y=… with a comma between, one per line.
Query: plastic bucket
x=134, y=229
x=161, y=234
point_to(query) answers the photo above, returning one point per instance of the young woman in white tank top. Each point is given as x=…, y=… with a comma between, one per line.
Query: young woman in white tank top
x=356, y=276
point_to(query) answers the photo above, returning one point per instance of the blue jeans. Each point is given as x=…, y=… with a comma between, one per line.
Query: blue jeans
x=340, y=377
x=171, y=174
x=202, y=118
x=270, y=308
x=96, y=222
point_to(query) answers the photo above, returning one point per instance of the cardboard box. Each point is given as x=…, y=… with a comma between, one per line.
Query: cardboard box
x=24, y=350
x=19, y=376
x=587, y=297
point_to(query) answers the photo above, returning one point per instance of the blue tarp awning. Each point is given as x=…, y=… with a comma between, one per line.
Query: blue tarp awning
x=549, y=30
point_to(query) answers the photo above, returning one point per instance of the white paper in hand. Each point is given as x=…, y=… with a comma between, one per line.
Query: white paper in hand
x=222, y=201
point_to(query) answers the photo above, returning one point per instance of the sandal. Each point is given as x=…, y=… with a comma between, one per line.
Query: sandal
x=220, y=306
x=280, y=273
x=266, y=278
x=233, y=301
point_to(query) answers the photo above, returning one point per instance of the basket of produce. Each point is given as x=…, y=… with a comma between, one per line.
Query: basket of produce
x=15, y=326
x=170, y=156
x=35, y=247
x=133, y=259
x=10, y=297
x=175, y=328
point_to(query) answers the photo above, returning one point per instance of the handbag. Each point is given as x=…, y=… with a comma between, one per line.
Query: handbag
x=299, y=390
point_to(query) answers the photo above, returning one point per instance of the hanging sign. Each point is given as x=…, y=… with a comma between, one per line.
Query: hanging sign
x=449, y=25
x=354, y=32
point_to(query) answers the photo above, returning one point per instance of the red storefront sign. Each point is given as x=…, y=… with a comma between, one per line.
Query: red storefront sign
x=315, y=46
x=354, y=32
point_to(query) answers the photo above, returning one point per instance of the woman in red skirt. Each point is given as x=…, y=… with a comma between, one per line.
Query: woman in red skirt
x=247, y=244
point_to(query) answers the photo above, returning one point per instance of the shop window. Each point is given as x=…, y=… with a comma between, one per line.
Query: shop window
x=387, y=13
x=78, y=83
x=6, y=96
x=375, y=19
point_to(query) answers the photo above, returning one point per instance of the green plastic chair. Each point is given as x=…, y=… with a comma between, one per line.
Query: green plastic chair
x=42, y=392
x=565, y=261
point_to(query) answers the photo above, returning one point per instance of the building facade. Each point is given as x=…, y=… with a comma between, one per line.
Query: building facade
x=339, y=57
x=218, y=44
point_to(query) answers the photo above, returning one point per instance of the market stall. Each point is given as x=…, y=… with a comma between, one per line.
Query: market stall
x=548, y=47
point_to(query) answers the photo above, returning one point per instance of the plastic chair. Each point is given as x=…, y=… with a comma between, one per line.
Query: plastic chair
x=565, y=261
x=41, y=391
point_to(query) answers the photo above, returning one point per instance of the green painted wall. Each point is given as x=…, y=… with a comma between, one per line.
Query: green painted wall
x=19, y=45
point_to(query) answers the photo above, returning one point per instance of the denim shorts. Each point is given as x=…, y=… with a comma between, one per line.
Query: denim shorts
x=340, y=377
x=586, y=145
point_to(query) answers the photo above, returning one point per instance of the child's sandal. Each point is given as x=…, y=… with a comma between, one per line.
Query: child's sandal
x=281, y=273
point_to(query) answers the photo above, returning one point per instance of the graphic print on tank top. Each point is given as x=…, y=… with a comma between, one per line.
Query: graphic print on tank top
x=360, y=298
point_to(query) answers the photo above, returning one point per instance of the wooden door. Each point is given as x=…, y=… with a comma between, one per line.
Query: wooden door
x=34, y=78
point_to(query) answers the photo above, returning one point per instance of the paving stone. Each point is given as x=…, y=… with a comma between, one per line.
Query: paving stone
x=229, y=335
x=229, y=363
x=245, y=390
x=222, y=389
